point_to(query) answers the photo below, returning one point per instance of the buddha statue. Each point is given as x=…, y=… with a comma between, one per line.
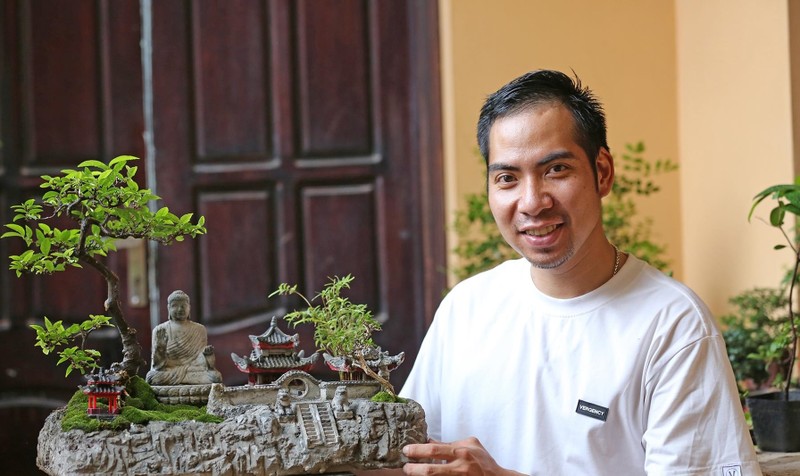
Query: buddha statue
x=181, y=354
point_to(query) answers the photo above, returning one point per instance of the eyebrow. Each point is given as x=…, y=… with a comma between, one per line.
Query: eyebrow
x=557, y=155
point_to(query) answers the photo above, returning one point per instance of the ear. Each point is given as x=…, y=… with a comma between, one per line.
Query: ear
x=605, y=171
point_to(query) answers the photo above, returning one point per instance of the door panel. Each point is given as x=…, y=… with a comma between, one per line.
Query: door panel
x=336, y=191
x=307, y=133
x=71, y=87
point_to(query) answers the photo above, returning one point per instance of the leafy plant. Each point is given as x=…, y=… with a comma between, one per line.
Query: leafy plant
x=787, y=200
x=481, y=245
x=756, y=335
x=341, y=328
x=621, y=221
x=54, y=335
x=104, y=204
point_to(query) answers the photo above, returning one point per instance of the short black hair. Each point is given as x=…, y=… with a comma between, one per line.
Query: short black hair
x=542, y=87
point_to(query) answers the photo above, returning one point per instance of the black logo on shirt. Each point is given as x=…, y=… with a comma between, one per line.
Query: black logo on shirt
x=592, y=411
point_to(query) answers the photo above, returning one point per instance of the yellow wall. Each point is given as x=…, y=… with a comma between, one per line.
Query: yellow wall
x=735, y=131
x=671, y=73
x=625, y=54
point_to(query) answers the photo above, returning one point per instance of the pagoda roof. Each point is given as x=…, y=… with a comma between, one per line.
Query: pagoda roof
x=374, y=357
x=274, y=362
x=103, y=377
x=275, y=336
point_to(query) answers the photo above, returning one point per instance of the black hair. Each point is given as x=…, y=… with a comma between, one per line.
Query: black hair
x=542, y=87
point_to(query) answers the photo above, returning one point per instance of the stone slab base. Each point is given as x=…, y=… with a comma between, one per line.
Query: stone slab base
x=257, y=442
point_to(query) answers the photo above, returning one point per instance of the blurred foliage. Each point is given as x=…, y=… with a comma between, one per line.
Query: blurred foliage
x=756, y=335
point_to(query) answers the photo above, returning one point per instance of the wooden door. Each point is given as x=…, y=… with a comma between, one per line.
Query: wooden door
x=307, y=133
x=71, y=89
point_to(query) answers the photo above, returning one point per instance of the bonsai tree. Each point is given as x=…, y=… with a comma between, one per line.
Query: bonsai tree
x=783, y=348
x=341, y=328
x=104, y=204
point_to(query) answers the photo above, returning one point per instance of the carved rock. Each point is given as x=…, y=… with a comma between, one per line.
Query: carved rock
x=255, y=441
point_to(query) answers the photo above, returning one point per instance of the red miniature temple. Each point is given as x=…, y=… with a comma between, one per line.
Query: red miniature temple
x=274, y=353
x=103, y=385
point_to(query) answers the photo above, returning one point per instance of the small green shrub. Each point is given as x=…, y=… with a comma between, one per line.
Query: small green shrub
x=755, y=334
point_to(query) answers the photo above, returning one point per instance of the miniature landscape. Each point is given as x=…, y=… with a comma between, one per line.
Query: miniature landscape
x=321, y=431
x=294, y=424
x=181, y=419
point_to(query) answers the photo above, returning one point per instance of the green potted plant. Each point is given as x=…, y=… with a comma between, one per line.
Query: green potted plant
x=776, y=414
x=104, y=203
x=755, y=333
x=342, y=329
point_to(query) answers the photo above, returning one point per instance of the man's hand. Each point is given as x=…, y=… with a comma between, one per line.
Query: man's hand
x=465, y=457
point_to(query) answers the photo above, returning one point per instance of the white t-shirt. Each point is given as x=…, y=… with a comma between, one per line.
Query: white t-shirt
x=629, y=379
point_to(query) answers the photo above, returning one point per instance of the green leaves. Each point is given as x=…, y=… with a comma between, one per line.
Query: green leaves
x=54, y=335
x=100, y=203
x=635, y=177
x=341, y=328
x=787, y=200
x=759, y=321
x=105, y=204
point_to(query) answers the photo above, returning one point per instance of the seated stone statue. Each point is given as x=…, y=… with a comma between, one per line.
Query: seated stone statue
x=181, y=354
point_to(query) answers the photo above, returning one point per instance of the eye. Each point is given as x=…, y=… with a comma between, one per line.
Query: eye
x=504, y=178
x=557, y=169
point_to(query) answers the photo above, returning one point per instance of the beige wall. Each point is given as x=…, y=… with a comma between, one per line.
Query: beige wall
x=735, y=130
x=626, y=54
x=670, y=73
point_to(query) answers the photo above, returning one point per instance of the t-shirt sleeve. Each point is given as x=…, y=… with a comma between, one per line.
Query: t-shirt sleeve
x=694, y=420
x=423, y=384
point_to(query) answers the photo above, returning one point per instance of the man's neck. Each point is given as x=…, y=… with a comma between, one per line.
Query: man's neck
x=580, y=275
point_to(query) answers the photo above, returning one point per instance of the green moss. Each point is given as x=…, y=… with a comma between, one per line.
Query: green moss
x=140, y=407
x=385, y=397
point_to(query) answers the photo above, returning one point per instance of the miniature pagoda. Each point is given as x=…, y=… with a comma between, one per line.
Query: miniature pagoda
x=274, y=353
x=103, y=384
x=378, y=361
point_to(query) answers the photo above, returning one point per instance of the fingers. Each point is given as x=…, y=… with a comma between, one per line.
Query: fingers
x=464, y=457
x=430, y=451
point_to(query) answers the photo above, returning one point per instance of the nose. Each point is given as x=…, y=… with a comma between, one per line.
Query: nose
x=534, y=199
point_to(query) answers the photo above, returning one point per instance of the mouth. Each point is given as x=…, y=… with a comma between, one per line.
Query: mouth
x=540, y=231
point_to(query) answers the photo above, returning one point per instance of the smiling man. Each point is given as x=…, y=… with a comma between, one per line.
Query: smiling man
x=576, y=359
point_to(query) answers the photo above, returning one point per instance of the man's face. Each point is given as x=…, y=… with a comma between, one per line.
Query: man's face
x=542, y=190
x=179, y=309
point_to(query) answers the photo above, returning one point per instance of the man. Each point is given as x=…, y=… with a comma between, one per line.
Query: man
x=180, y=351
x=577, y=359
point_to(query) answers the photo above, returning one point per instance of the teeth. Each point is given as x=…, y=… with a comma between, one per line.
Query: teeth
x=541, y=231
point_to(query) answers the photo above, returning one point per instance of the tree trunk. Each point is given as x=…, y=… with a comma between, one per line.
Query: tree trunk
x=132, y=359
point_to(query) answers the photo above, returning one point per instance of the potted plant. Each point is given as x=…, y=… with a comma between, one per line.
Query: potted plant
x=342, y=330
x=776, y=415
x=755, y=334
x=104, y=204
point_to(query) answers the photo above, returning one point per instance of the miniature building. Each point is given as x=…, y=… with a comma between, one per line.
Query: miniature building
x=378, y=361
x=273, y=354
x=104, y=384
